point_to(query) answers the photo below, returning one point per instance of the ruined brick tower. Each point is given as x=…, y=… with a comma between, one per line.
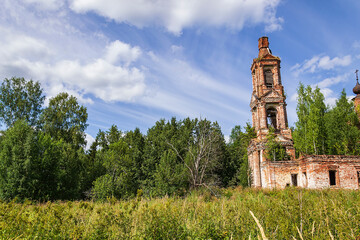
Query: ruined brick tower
x=268, y=109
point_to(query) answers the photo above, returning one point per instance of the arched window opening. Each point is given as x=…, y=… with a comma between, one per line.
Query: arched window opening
x=271, y=118
x=269, y=79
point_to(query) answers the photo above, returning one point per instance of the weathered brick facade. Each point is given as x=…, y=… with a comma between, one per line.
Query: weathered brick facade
x=268, y=109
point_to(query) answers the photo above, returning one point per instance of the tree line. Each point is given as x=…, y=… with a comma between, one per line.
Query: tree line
x=43, y=154
x=322, y=129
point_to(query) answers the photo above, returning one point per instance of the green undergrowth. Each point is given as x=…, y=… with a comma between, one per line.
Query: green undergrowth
x=283, y=214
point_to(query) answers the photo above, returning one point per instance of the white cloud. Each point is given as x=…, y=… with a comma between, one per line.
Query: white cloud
x=109, y=77
x=102, y=79
x=227, y=138
x=119, y=51
x=24, y=45
x=327, y=82
x=89, y=140
x=274, y=24
x=176, y=15
x=177, y=49
x=330, y=98
x=324, y=85
x=45, y=4
x=327, y=63
x=47, y=47
x=320, y=63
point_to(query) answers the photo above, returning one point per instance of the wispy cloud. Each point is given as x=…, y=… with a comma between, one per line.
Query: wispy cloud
x=328, y=82
x=320, y=63
x=109, y=77
x=175, y=15
x=325, y=88
x=47, y=47
x=49, y=5
x=186, y=90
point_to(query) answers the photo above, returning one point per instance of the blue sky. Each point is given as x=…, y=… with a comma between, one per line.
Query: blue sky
x=133, y=62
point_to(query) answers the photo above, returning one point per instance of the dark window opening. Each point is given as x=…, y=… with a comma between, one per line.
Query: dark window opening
x=269, y=80
x=358, y=175
x=294, y=179
x=332, y=176
x=271, y=118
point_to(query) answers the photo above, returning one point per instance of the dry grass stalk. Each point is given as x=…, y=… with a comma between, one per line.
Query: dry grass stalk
x=313, y=229
x=331, y=236
x=259, y=225
x=301, y=237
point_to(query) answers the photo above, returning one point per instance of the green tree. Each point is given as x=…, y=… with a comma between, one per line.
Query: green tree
x=310, y=131
x=170, y=176
x=93, y=168
x=343, y=136
x=20, y=99
x=300, y=134
x=205, y=152
x=159, y=156
x=71, y=173
x=119, y=180
x=238, y=158
x=274, y=150
x=316, y=123
x=65, y=119
x=29, y=164
x=136, y=142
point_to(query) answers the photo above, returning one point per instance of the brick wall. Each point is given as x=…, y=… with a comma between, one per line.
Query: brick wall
x=312, y=172
x=345, y=167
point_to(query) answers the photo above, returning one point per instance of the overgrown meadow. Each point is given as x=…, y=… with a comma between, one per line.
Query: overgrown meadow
x=129, y=175
x=282, y=214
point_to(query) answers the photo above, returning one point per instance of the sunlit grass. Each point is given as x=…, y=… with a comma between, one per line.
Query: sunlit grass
x=283, y=214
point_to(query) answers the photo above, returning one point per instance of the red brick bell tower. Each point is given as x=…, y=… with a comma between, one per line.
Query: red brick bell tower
x=268, y=108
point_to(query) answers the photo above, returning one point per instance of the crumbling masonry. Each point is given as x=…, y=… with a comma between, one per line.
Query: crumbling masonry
x=268, y=108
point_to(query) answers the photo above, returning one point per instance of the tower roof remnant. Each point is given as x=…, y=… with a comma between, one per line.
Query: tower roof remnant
x=356, y=89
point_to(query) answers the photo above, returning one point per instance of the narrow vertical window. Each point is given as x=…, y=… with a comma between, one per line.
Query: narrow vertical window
x=269, y=80
x=271, y=118
x=358, y=176
x=332, y=177
x=294, y=180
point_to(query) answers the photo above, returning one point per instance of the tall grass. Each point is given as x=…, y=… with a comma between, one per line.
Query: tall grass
x=282, y=214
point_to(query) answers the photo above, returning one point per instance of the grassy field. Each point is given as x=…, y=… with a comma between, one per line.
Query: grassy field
x=283, y=214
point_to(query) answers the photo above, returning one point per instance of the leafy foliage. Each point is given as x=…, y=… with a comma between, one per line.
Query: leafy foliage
x=237, y=169
x=65, y=119
x=342, y=131
x=29, y=164
x=42, y=154
x=20, y=99
x=320, y=130
x=310, y=131
x=274, y=150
